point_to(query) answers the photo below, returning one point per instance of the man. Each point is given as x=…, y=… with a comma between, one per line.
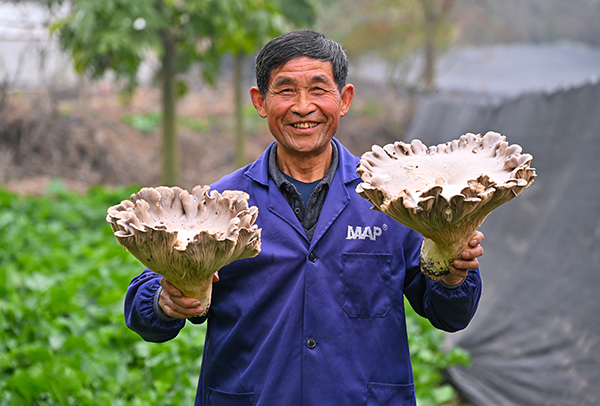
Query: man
x=317, y=318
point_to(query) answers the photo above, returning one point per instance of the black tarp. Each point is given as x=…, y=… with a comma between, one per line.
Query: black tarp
x=536, y=337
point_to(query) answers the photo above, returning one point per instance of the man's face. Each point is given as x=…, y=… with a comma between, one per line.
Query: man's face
x=303, y=105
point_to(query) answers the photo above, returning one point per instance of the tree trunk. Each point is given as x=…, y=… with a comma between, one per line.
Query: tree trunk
x=82, y=93
x=240, y=150
x=430, y=61
x=169, y=175
x=435, y=13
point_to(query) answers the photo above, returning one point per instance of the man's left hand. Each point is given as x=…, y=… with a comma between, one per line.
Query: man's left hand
x=466, y=261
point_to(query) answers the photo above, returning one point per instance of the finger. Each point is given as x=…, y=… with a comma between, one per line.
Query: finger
x=464, y=264
x=168, y=311
x=477, y=239
x=186, y=302
x=182, y=308
x=182, y=314
x=170, y=288
x=168, y=307
x=179, y=302
x=471, y=253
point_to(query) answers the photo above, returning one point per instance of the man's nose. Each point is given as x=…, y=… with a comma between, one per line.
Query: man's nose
x=303, y=105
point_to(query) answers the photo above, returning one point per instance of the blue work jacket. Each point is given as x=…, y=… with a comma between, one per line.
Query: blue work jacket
x=317, y=322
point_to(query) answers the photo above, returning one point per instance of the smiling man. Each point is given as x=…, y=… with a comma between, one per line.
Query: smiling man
x=317, y=318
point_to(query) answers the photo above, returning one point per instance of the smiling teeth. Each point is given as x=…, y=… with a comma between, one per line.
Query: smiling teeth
x=304, y=126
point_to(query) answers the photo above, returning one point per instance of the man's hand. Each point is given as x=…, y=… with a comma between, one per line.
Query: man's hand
x=174, y=304
x=466, y=261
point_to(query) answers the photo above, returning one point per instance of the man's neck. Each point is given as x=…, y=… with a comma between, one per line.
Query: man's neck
x=305, y=168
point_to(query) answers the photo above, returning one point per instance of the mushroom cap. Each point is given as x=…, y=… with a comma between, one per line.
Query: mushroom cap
x=455, y=184
x=186, y=237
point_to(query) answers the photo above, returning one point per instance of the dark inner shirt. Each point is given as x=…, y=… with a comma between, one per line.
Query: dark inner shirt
x=306, y=199
x=305, y=189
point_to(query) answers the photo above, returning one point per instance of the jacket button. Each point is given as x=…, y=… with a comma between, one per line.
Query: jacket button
x=297, y=210
x=312, y=257
x=311, y=343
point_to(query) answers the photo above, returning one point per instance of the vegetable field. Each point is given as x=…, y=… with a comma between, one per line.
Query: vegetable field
x=63, y=339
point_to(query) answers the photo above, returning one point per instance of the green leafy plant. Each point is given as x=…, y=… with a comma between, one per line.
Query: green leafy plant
x=145, y=123
x=429, y=360
x=148, y=122
x=195, y=124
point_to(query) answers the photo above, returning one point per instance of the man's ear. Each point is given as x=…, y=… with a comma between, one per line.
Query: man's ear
x=347, y=97
x=259, y=101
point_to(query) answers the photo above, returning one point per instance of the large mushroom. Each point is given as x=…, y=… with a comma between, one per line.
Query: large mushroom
x=186, y=237
x=444, y=192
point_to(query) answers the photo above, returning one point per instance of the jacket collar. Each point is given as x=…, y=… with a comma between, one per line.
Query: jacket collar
x=259, y=170
x=337, y=198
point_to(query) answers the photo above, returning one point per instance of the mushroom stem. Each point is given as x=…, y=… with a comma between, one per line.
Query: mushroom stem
x=201, y=290
x=441, y=248
x=436, y=259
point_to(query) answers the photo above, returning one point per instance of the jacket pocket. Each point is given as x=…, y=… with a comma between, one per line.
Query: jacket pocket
x=366, y=279
x=218, y=398
x=384, y=394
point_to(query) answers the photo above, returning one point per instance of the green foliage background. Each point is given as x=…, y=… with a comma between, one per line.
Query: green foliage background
x=63, y=340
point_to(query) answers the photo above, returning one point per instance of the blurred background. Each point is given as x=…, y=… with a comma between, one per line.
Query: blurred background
x=90, y=76
x=110, y=94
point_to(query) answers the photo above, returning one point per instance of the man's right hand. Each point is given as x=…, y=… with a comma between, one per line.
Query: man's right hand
x=174, y=304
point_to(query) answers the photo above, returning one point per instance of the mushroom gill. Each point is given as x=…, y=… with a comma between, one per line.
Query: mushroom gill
x=186, y=237
x=444, y=192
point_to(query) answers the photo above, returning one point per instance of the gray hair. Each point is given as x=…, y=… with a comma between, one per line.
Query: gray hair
x=286, y=47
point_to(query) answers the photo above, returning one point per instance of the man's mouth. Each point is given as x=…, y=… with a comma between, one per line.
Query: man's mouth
x=305, y=126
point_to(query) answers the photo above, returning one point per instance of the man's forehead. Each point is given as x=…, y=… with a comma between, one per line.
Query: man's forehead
x=315, y=69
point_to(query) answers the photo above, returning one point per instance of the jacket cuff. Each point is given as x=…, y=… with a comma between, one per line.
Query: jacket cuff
x=451, y=287
x=158, y=310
